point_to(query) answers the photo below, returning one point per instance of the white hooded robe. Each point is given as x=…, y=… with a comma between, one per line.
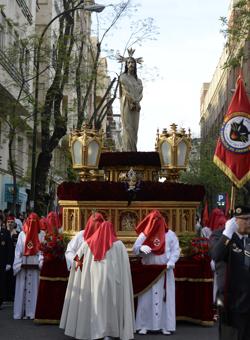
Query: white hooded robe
x=99, y=298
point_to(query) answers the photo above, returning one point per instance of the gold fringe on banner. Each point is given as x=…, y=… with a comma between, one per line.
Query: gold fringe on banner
x=238, y=182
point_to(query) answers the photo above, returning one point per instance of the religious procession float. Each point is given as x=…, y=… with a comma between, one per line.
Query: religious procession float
x=125, y=186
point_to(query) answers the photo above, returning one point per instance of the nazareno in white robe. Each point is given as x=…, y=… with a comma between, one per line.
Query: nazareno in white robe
x=72, y=248
x=99, y=299
x=152, y=312
x=27, y=280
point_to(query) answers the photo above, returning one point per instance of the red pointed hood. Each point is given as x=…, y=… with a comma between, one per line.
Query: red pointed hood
x=53, y=222
x=31, y=228
x=216, y=219
x=92, y=225
x=154, y=228
x=102, y=240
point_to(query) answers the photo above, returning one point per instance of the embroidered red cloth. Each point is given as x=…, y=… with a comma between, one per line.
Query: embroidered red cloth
x=31, y=228
x=154, y=227
x=51, y=293
x=102, y=240
x=194, y=287
x=194, y=290
x=143, y=276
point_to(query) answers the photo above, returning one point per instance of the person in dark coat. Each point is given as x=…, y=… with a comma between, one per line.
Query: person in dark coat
x=9, y=277
x=230, y=249
x=6, y=251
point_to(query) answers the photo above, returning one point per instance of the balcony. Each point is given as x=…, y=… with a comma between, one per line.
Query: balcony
x=25, y=9
x=19, y=170
x=12, y=71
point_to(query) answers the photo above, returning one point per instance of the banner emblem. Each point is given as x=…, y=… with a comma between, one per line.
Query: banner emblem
x=235, y=132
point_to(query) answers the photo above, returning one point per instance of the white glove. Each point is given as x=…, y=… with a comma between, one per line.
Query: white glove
x=8, y=267
x=40, y=265
x=230, y=228
x=212, y=265
x=145, y=249
x=170, y=266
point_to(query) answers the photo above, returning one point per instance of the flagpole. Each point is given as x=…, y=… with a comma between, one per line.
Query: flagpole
x=232, y=198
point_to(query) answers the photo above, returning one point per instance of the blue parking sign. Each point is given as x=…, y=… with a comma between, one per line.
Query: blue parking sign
x=221, y=199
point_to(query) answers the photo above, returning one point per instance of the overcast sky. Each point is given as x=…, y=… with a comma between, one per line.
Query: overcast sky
x=185, y=53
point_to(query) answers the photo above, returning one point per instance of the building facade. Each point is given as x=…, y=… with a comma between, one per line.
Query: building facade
x=17, y=21
x=216, y=95
x=21, y=21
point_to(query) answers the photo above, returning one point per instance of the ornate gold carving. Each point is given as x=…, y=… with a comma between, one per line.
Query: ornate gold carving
x=124, y=218
x=128, y=220
x=144, y=173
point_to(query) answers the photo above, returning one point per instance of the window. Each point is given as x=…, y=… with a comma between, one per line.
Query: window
x=57, y=8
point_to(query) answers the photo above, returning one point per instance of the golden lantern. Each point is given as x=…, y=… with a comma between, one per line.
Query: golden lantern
x=174, y=148
x=85, y=146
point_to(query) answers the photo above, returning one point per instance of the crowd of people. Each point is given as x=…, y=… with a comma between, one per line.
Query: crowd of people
x=99, y=297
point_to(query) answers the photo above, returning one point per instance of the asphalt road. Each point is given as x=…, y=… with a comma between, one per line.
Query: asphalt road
x=26, y=330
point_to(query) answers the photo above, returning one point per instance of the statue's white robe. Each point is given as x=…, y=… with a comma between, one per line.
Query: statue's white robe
x=131, y=93
x=152, y=312
x=99, y=299
x=27, y=280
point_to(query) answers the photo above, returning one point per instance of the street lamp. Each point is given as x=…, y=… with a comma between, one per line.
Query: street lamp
x=92, y=8
x=85, y=146
x=174, y=148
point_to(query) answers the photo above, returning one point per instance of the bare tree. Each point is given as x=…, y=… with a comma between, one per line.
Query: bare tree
x=51, y=134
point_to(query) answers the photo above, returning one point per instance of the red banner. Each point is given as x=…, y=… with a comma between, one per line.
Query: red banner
x=205, y=215
x=232, y=154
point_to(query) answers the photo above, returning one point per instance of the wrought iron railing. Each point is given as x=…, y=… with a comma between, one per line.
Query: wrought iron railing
x=18, y=168
x=25, y=9
x=12, y=70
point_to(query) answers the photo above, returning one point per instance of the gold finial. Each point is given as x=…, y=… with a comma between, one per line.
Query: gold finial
x=182, y=131
x=174, y=127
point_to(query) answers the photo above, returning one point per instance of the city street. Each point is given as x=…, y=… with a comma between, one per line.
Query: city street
x=26, y=330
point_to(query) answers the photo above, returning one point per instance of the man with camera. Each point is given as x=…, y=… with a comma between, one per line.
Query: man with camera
x=230, y=249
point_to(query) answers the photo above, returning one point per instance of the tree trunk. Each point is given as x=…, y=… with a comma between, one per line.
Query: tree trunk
x=52, y=106
x=42, y=171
